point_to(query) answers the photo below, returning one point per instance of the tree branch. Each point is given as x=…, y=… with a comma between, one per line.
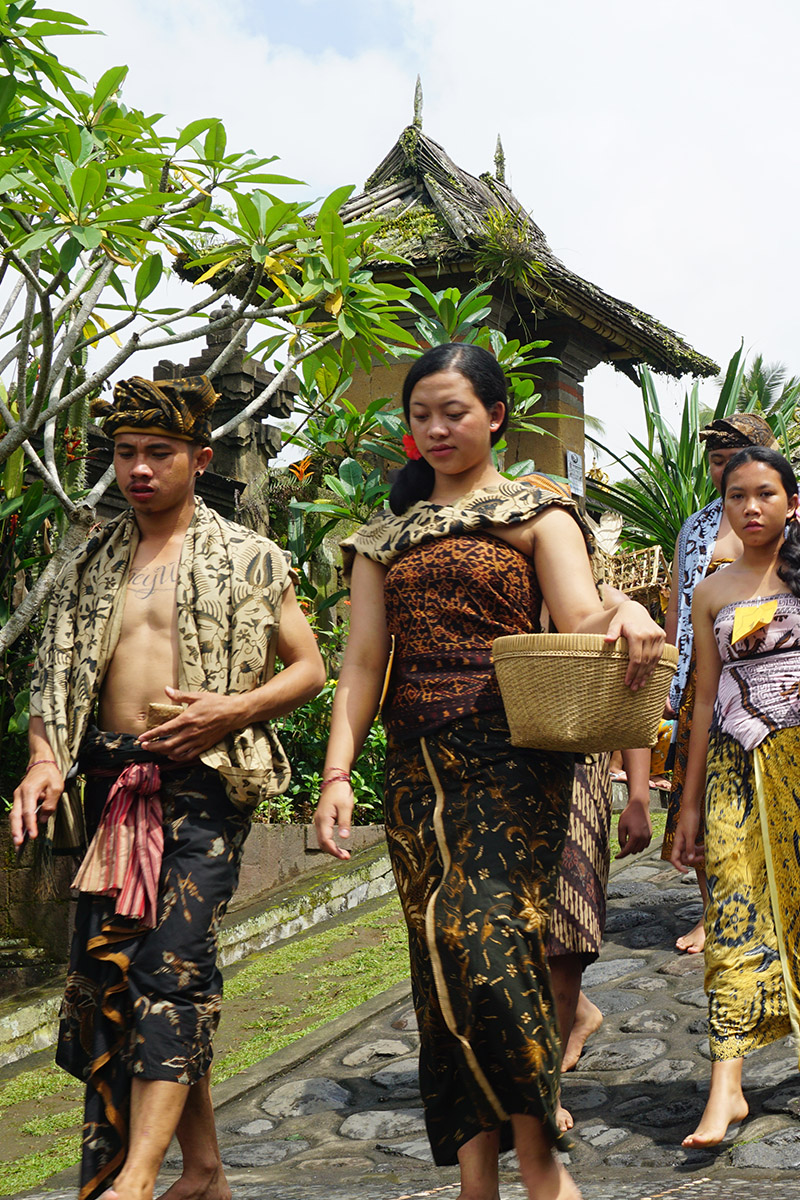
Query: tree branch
x=271, y=388
x=80, y=524
x=8, y=308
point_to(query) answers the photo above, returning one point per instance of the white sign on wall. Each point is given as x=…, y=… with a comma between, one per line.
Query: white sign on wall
x=575, y=472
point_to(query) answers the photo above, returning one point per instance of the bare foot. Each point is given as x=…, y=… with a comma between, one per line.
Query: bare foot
x=564, y=1118
x=588, y=1020
x=567, y=1189
x=194, y=1185
x=726, y=1104
x=715, y=1121
x=694, y=941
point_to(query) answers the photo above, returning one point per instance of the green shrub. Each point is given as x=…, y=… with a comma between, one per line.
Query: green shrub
x=304, y=736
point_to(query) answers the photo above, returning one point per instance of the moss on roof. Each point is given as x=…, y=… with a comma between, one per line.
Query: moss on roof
x=437, y=212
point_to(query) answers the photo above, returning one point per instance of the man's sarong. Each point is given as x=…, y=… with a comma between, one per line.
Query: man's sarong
x=579, y=911
x=139, y=1001
x=475, y=830
x=752, y=952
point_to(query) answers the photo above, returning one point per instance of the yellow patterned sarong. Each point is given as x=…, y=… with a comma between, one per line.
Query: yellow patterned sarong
x=752, y=955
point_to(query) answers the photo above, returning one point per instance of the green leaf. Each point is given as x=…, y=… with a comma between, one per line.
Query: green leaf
x=89, y=236
x=351, y=473
x=109, y=83
x=193, y=130
x=147, y=277
x=39, y=238
x=86, y=184
x=68, y=254
x=333, y=202
x=8, y=88
x=216, y=140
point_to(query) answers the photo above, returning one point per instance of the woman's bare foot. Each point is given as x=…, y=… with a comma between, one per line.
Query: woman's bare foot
x=588, y=1020
x=694, y=941
x=564, y=1118
x=726, y=1104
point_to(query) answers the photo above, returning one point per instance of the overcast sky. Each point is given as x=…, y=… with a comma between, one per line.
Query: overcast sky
x=654, y=143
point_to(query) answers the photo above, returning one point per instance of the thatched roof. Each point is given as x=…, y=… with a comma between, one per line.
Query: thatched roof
x=437, y=215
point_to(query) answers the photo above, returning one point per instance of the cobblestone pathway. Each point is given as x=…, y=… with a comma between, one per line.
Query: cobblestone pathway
x=347, y=1123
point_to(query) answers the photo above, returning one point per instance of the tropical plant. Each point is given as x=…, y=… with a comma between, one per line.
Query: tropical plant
x=304, y=736
x=668, y=477
x=768, y=387
x=95, y=195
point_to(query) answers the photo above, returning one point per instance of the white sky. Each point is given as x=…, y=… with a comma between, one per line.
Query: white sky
x=655, y=143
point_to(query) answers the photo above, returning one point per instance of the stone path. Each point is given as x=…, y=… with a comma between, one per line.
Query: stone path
x=341, y=1117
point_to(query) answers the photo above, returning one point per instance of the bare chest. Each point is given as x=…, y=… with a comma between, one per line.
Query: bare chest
x=150, y=599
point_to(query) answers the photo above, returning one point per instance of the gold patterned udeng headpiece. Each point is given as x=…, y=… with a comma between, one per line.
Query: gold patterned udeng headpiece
x=737, y=431
x=179, y=408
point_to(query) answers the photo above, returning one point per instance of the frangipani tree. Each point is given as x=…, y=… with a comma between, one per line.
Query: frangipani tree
x=96, y=199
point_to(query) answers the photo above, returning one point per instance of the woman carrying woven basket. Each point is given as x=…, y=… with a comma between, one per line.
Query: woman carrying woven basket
x=475, y=826
x=705, y=544
x=747, y=769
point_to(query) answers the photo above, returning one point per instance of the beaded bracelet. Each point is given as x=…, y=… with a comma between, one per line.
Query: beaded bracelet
x=341, y=777
x=38, y=762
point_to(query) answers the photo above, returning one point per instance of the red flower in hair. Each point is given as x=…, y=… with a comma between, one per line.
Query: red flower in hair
x=410, y=446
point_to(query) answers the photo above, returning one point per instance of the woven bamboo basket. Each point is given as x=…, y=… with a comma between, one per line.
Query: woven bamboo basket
x=566, y=691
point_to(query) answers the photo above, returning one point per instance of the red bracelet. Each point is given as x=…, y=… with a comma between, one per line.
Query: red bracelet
x=38, y=762
x=341, y=777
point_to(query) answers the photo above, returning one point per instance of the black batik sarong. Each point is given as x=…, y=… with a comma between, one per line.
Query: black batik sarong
x=146, y=1002
x=475, y=829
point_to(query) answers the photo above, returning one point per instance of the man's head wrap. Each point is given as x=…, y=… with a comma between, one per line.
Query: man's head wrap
x=737, y=431
x=179, y=408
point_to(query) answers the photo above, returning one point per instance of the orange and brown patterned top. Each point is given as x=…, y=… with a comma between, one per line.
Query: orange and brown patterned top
x=452, y=586
x=446, y=601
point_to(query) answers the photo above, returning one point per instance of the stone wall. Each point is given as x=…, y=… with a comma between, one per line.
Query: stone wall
x=274, y=856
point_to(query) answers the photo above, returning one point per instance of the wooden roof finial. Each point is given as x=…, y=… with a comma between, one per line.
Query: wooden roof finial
x=418, y=104
x=500, y=161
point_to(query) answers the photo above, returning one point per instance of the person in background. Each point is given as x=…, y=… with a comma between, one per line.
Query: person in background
x=705, y=543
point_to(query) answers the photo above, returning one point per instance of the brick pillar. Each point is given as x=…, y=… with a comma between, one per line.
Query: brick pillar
x=561, y=387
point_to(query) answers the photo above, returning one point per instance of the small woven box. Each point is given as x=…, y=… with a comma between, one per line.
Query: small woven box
x=566, y=691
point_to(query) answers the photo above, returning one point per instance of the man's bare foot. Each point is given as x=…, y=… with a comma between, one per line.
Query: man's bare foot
x=588, y=1020
x=199, y=1185
x=567, y=1189
x=694, y=941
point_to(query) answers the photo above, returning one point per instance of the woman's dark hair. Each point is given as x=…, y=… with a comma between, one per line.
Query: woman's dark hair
x=415, y=481
x=789, y=554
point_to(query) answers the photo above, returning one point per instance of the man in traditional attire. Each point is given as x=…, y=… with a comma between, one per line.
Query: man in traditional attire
x=168, y=602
